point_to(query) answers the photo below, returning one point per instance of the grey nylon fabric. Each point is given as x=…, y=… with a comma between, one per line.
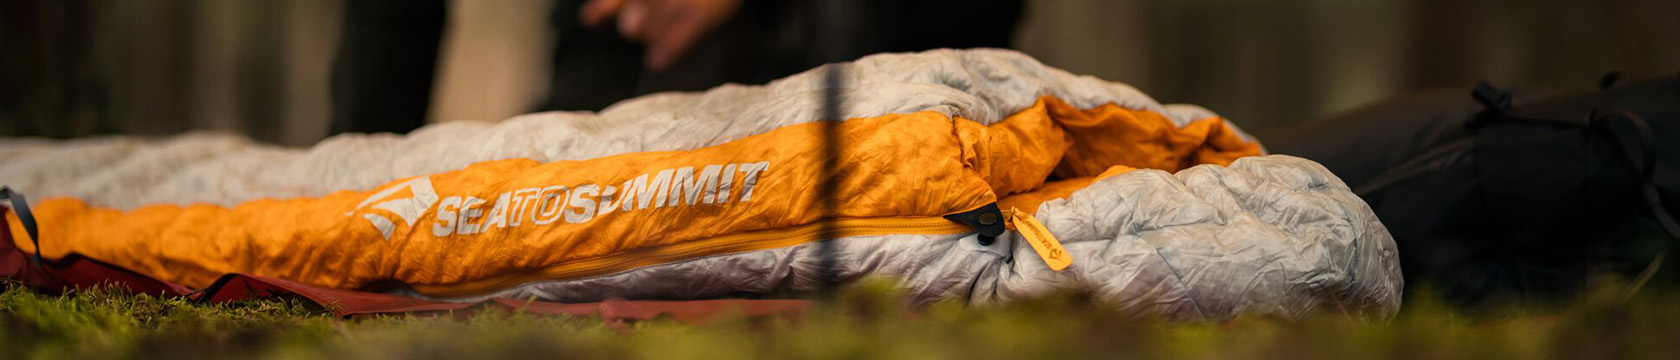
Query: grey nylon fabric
x=1270, y=234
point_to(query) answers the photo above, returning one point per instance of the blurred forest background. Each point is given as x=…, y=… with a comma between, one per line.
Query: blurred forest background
x=83, y=67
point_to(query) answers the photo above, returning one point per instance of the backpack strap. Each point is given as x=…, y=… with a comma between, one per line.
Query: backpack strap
x=21, y=206
x=1641, y=155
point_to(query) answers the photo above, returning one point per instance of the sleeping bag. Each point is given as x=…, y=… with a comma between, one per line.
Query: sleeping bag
x=1161, y=208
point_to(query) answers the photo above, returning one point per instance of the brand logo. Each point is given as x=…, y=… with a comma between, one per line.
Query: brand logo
x=709, y=185
x=409, y=209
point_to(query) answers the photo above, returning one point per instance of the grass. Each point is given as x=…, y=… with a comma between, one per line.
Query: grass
x=867, y=321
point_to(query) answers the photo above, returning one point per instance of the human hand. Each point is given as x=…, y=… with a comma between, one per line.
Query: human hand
x=667, y=27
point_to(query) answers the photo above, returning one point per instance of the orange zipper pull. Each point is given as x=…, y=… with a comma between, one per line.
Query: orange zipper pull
x=1042, y=240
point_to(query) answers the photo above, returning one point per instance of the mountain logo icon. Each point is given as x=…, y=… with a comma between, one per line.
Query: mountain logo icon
x=408, y=209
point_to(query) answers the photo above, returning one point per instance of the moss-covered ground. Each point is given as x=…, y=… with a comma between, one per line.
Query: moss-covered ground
x=864, y=321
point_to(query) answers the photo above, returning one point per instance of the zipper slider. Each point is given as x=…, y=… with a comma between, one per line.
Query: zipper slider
x=987, y=220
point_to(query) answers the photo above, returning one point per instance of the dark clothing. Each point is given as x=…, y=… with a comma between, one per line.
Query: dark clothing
x=387, y=56
x=384, y=74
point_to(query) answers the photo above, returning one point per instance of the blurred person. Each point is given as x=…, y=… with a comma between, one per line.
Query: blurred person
x=610, y=50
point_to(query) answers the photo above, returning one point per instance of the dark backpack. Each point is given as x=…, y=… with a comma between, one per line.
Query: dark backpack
x=1492, y=197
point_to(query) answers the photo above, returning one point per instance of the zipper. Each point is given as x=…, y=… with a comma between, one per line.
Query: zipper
x=756, y=240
